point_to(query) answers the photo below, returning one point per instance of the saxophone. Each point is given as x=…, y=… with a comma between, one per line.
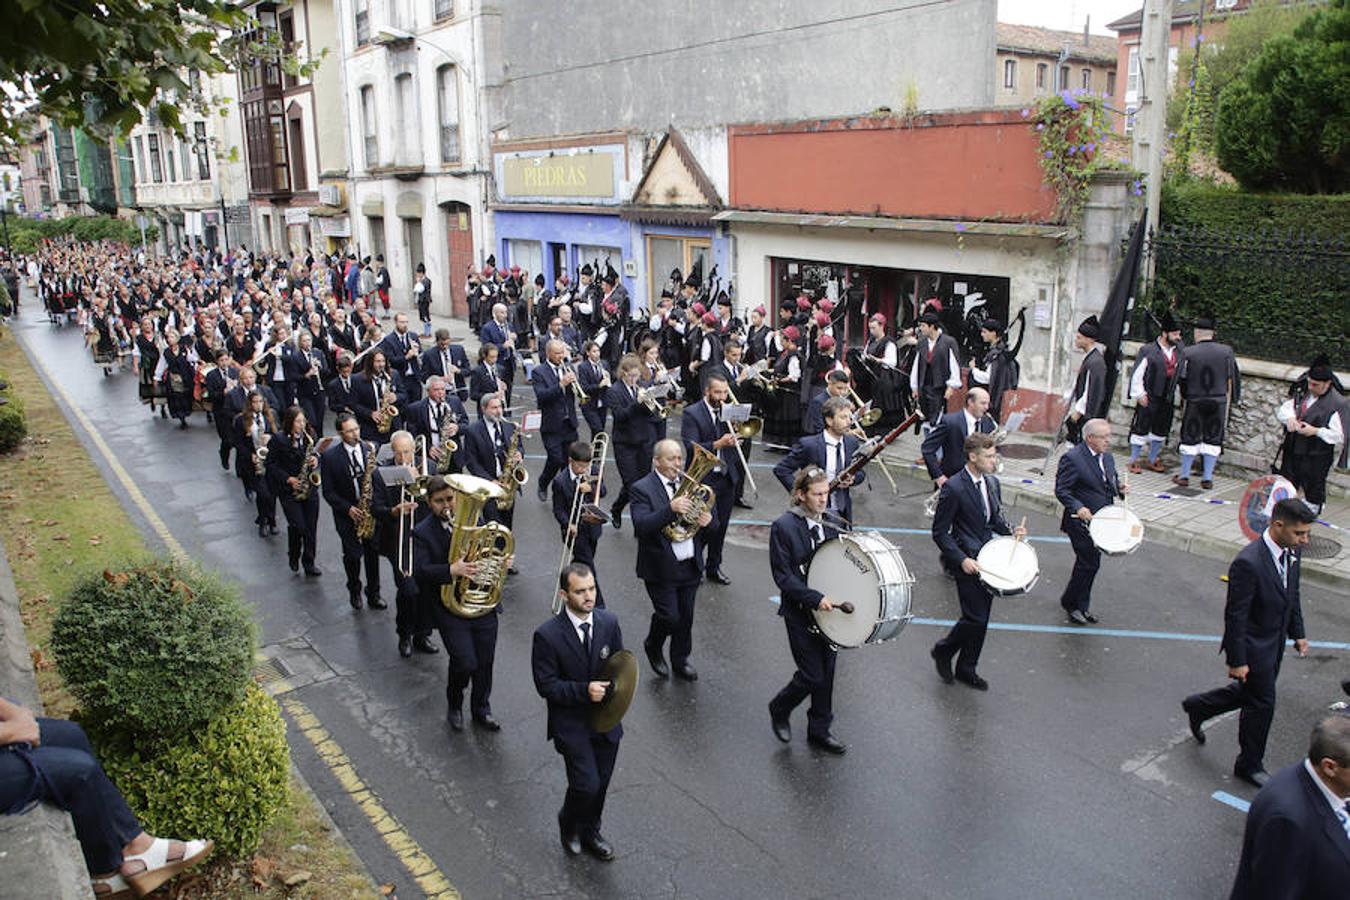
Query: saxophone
x=365, y=528
x=388, y=411
x=448, y=447
x=309, y=470
x=701, y=497
x=489, y=545
x=514, y=475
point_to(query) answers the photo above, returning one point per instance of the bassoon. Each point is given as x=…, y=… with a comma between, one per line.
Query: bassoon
x=872, y=451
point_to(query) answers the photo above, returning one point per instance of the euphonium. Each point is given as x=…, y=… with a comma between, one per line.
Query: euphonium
x=490, y=546
x=514, y=474
x=700, y=496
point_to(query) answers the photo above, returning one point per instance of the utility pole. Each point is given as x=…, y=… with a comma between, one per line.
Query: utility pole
x=1150, y=124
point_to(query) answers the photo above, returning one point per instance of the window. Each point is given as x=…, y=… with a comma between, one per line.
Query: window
x=286, y=28
x=1129, y=119
x=202, y=151
x=529, y=255
x=376, y=235
x=372, y=143
x=185, y=159
x=444, y=9
x=1063, y=78
x=667, y=253
x=169, y=172
x=405, y=128
x=156, y=169
x=1132, y=74
x=447, y=106
x=401, y=15
x=1009, y=74
x=1087, y=79
x=195, y=82
x=1042, y=73
x=1110, y=84
x=281, y=176
x=139, y=153
x=297, y=135
x=362, y=8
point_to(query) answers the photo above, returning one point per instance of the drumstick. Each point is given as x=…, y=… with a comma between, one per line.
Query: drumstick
x=1012, y=553
x=845, y=607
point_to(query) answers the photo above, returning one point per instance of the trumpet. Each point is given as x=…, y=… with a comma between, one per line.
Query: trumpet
x=650, y=397
x=585, y=507
x=582, y=396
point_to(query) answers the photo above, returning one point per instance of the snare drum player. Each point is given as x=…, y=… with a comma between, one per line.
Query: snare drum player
x=1085, y=482
x=792, y=542
x=968, y=513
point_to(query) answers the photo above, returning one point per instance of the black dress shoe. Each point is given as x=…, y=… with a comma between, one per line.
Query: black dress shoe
x=571, y=843
x=404, y=647
x=656, y=660
x=973, y=680
x=782, y=728
x=944, y=665
x=355, y=601
x=295, y=565
x=598, y=847
x=422, y=644
x=741, y=504
x=456, y=719
x=685, y=672
x=262, y=529
x=828, y=743
x=1345, y=685
x=1256, y=779
x=272, y=528
x=313, y=571
x=1076, y=617
x=248, y=496
x=1092, y=620
x=616, y=518
x=487, y=723
x=543, y=494
x=716, y=577
x=376, y=603
x=1195, y=720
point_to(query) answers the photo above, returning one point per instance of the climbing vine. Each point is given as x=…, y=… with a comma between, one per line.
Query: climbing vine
x=1072, y=127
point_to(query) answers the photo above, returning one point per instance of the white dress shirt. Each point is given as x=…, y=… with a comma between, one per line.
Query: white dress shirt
x=683, y=550
x=1331, y=433
x=578, y=621
x=1277, y=553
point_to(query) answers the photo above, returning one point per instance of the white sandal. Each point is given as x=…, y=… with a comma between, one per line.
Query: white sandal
x=159, y=868
x=114, y=887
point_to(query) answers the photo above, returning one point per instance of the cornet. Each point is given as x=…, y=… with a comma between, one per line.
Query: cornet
x=582, y=396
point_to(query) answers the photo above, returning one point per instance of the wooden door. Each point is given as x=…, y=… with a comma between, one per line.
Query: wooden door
x=459, y=226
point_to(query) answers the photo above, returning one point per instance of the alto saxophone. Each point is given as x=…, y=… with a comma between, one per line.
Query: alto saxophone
x=701, y=497
x=365, y=527
x=448, y=447
x=388, y=412
x=514, y=475
x=489, y=546
x=309, y=471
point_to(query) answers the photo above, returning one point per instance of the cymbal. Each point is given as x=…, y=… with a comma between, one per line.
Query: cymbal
x=622, y=671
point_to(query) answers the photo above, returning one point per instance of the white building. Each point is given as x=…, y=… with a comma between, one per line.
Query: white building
x=416, y=73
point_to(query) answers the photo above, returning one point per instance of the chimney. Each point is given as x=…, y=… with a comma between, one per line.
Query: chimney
x=1087, y=25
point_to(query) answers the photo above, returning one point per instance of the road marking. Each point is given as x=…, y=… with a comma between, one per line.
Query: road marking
x=1042, y=539
x=1228, y=799
x=1100, y=632
x=429, y=878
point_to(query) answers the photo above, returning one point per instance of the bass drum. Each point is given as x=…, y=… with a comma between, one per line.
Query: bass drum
x=864, y=569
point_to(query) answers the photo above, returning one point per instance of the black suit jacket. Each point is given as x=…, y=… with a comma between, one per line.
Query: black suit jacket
x=632, y=420
x=431, y=560
x=697, y=426
x=417, y=416
x=364, y=403
x=1260, y=613
x=651, y=512
x=283, y=461
x=340, y=399
x=477, y=453
x=810, y=451
x=482, y=381
x=960, y=527
x=944, y=446
x=790, y=552
x=1079, y=482
x=563, y=495
x=396, y=355
x=557, y=405
x=1293, y=845
x=563, y=673
x=237, y=399
x=339, y=489
x=431, y=364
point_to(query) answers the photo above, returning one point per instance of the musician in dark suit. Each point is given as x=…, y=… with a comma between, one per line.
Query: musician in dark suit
x=398, y=513
x=485, y=378
x=1262, y=610
x=632, y=437
x=438, y=417
x=369, y=390
x=969, y=512
x=283, y=366
x=836, y=385
x=254, y=428
x=593, y=379
x=942, y=445
x=403, y=352
x=339, y=391
x=737, y=376
x=342, y=333
x=793, y=540
x=702, y=424
x=497, y=331
x=568, y=659
x=1089, y=388
x=579, y=477
x=483, y=453
x=286, y=473
x=218, y=383
x=309, y=393
x=831, y=450
x=236, y=398
x=670, y=570
x=555, y=395
x=470, y=643
x=449, y=361
x=1085, y=482
x=1297, y=838
x=343, y=468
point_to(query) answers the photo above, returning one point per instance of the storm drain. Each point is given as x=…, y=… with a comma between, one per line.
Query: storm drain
x=285, y=667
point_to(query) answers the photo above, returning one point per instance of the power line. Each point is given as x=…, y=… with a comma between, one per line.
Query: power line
x=713, y=42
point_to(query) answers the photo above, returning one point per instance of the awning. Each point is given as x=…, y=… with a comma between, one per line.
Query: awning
x=880, y=223
x=667, y=215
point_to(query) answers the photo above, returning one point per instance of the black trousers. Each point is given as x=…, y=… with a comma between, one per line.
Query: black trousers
x=225, y=435
x=315, y=408
x=745, y=451
x=589, y=767
x=263, y=499
x=1256, y=698
x=302, y=527
x=62, y=770
x=595, y=418
x=1309, y=473
x=355, y=553
x=471, y=645
x=285, y=391
x=410, y=617
x=966, y=639
x=633, y=461
x=933, y=402
x=814, y=678
x=673, y=612
x=1087, y=559
x=725, y=493
x=555, y=449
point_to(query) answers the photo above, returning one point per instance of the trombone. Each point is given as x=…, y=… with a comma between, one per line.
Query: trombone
x=585, y=507
x=406, y=519
x=745, y=431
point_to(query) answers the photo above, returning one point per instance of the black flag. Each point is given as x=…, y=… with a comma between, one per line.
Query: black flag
x=1115, y=315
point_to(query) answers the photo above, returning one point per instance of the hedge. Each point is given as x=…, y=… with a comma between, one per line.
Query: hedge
x=27, y=234
x=1193, y=204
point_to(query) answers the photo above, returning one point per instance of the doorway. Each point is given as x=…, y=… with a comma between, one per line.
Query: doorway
x=459, y=228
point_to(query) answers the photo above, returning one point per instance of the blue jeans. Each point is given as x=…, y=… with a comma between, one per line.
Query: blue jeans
x=63, y=771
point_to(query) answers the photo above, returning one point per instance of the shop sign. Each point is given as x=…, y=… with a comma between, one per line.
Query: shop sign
x=587, y=174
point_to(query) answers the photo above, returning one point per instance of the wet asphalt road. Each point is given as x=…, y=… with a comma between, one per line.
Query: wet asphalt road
x=1074, y=776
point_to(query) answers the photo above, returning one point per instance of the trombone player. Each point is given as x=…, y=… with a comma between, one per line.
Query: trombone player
x=396, y=509
x=556, y=391
x=572, y=488
x=702, y=424
x=670, y=569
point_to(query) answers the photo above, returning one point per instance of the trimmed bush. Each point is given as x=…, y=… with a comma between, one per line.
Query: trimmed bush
x=157, y=649
x=13, y=423
x=1198, y=204
x=225, y=781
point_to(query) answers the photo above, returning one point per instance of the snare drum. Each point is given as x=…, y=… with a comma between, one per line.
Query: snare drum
x=1008, y=566
x=1116, y=530
x=865, y=569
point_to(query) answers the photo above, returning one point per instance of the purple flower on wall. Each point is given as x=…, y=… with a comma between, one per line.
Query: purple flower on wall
x=1069, y=100
x=1025, y=112
x=960, y=226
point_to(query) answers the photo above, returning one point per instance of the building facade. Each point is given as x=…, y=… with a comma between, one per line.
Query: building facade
x=1034, y=62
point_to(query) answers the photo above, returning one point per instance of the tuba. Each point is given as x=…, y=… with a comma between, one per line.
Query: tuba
x=701, y=496
x=489, y=545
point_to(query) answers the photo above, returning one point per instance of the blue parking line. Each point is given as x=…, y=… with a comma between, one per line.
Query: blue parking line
x=1099, y=632
x=1228, y=799
x=1040, y=539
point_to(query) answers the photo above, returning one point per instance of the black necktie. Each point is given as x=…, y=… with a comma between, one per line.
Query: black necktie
x=586, y=638
x=817, y=535
x=838, y=458
x=674, y=486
